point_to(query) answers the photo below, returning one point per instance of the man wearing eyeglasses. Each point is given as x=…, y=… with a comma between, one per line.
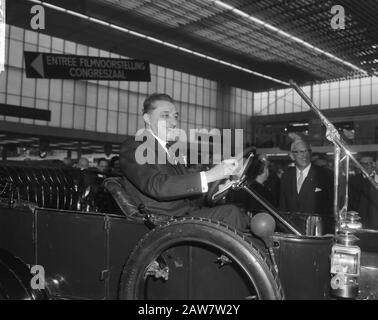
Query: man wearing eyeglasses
x=307, y=188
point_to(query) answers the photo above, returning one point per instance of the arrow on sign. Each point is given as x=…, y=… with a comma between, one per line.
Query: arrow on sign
x=37, y=64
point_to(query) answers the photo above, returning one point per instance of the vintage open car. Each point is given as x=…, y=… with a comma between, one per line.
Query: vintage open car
x=71, y=234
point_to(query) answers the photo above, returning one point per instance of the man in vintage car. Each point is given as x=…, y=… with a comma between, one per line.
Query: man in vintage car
x=163, y=184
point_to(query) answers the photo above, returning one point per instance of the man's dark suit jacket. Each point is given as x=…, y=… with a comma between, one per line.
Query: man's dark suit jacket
x=363, y=198
x=164, y=188
x=316, y=194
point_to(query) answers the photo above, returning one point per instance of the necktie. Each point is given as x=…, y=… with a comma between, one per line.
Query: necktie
x=179, y=161
x=300, y=181
x=169, y=144
x=170, y=153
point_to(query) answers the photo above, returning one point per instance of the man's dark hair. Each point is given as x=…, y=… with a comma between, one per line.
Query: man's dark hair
x=257, y=167
x=148, y=104
x=113, y=160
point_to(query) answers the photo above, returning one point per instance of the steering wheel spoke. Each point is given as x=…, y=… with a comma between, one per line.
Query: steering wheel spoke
x=217, y=193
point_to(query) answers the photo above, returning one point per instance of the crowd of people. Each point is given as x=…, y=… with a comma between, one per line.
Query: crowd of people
x=278, y=184
x=305, y=186
x=283, y=187
x=102, y=165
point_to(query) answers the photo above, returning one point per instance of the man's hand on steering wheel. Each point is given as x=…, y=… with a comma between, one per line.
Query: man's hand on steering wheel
x=224, y=183
x=220, y=176
x=223, y=170
x=221, y=173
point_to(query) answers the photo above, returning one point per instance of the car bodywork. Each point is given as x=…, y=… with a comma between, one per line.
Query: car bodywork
x=83, y=252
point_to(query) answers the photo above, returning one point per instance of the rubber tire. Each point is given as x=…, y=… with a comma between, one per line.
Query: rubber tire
x=15, y=279
x=234, y=244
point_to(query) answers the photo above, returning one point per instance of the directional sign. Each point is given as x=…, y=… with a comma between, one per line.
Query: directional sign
x=61, y=66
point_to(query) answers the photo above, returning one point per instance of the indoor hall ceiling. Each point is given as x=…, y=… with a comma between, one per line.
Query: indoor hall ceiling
x=210, y=29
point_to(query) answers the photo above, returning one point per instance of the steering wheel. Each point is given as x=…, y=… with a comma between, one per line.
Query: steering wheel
x=213, y=194
x=211, y=198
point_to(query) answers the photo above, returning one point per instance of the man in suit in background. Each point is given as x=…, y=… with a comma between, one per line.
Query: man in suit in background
x=307, y=188
x=363, y=196
x=164, y=185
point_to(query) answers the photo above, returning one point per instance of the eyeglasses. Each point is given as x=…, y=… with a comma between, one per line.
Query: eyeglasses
x=367, y=163
x=301, y=152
